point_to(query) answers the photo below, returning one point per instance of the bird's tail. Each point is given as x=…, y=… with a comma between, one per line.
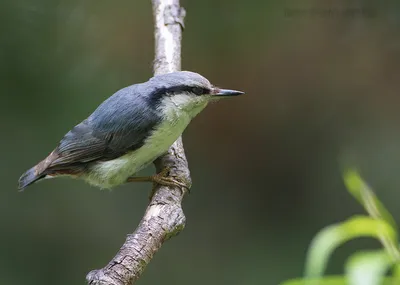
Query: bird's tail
x=28, y=178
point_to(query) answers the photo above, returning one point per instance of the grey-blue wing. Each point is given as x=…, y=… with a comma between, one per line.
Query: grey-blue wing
x=80, y=146
x=119, y=125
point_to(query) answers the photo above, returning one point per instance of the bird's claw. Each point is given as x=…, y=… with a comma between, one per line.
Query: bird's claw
x=162, y=178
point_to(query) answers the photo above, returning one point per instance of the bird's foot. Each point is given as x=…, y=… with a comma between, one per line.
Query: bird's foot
x=161, y=178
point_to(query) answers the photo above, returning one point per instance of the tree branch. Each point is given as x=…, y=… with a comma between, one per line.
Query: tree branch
x=164, y=216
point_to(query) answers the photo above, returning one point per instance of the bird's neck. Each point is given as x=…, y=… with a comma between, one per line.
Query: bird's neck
x=182, y=105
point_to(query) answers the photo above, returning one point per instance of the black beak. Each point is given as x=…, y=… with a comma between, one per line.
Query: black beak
x=228, y=93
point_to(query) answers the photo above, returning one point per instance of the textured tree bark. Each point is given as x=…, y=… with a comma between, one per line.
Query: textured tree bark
x=164, y=216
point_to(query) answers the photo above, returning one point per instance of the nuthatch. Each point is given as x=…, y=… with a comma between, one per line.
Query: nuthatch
x=128, y=131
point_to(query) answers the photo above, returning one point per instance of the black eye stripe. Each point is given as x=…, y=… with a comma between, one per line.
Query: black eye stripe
x=198, y=90
x=159, y=92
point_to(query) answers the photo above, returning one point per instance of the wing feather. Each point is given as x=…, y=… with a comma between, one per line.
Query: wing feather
x=115, y=128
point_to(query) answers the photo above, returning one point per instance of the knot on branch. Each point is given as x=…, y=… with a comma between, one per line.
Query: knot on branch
x=174, y=14
x=97, y=277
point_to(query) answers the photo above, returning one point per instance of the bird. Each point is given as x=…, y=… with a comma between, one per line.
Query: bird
x=128, y=131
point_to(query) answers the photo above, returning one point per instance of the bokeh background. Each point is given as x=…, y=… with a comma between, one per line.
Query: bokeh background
x=322, y=84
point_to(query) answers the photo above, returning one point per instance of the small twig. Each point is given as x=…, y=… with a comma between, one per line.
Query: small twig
x=164, y=216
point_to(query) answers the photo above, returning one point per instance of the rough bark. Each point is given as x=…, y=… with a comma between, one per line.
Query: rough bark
x=164, y=216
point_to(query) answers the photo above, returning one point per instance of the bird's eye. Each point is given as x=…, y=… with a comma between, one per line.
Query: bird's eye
x=198, y=90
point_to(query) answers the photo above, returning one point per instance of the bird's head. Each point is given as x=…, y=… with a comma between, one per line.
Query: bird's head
x=185, y=90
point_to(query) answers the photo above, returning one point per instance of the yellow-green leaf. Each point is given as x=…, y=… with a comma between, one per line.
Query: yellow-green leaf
x=331, y=237
x=364, y=195
x=368, y=267
x=330, y=280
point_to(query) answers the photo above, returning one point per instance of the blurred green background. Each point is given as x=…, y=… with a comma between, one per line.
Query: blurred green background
x=322, y=91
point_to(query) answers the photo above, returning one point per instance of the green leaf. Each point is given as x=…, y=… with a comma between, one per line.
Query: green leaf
x=396, y=272
x=331, y=280
x=368, y=267
x=329, y=238
x=364, y=194
x=328, y=280
x=366, y=197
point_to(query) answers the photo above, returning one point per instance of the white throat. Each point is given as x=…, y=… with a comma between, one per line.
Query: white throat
x=181, y=105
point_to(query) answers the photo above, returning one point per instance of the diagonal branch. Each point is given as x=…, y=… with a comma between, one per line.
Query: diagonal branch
x=164, y=216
